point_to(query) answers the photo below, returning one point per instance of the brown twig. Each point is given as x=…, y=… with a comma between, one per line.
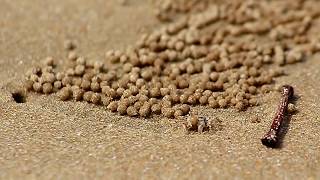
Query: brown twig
x=272, y=137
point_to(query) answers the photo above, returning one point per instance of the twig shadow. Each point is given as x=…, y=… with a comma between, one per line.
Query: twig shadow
x=294, y=99
x=283, y=130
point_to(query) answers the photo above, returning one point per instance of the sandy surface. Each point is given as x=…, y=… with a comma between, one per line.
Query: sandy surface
x=48, y=139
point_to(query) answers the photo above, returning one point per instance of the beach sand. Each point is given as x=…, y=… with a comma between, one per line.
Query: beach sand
x=45, y=138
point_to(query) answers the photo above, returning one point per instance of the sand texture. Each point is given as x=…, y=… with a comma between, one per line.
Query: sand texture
x=45, y=138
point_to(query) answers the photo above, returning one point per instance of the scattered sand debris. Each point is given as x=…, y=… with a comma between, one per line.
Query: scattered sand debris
x=210, y=54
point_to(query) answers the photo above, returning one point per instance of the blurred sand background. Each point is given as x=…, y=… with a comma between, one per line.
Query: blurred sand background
x=45, y=138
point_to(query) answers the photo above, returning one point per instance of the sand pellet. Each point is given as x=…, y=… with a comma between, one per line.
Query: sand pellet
x=79, y=70
x=49, y=61
x=85, y=84
x=95, y=98
x=156, y=108
x=66, y=81
x=122, y=108
x=87, y=96
x=167, y=112
x=113, y=106
x=105, y=100
x=37, y=87
x=72, y=55
x=47, y=88
x=77, y=94
x=132, y=111
x=48, y=77
x=64, y=94
x=145, y=110
x=178, y=113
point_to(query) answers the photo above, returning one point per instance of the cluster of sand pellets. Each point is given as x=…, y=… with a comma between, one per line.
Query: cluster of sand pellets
x=218, y=55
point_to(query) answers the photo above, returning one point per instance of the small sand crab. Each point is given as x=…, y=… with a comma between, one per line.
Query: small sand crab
x=200, y=123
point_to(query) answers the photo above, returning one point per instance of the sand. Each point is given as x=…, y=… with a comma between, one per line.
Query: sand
x=45, y=138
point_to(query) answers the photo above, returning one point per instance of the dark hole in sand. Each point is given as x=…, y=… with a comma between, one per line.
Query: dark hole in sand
x=19, y=97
